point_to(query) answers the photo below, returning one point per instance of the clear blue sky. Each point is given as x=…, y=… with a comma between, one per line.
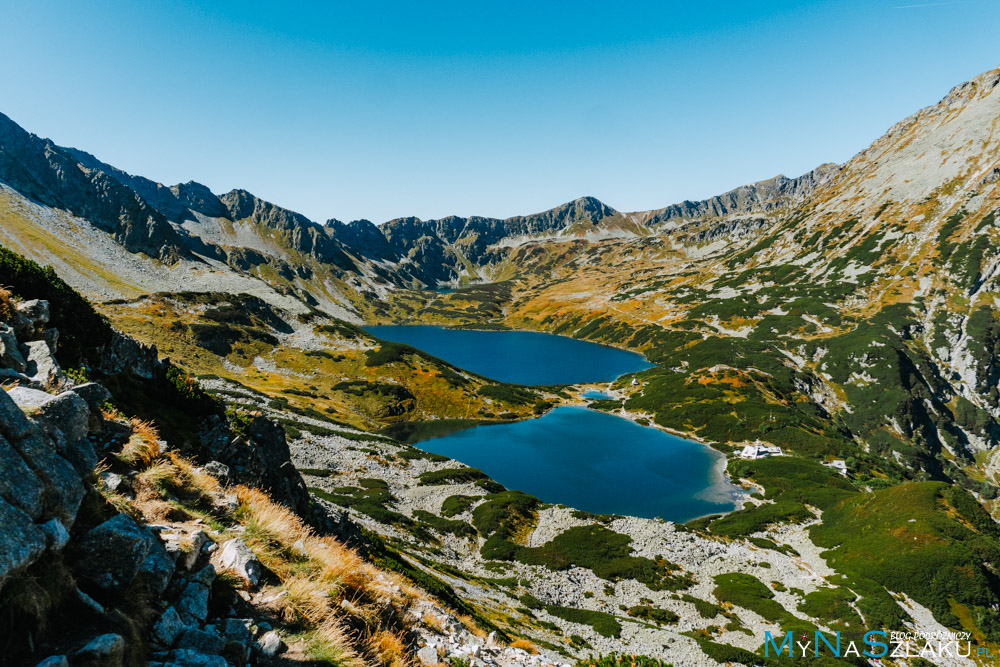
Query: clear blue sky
x=383, y=109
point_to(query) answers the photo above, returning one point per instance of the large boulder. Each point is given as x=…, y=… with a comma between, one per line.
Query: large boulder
x=19, y=486
x=13, y=423
x=21, y=541
x=111, y=554
x=168, y=628
x=259, y=458
x=66, y=412
x=93, y=394
x=63, y=486
x=65, y=418
x=157, y=567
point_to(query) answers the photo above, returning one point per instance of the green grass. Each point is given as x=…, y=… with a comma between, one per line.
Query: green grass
x=832, y=607
x=374, y=500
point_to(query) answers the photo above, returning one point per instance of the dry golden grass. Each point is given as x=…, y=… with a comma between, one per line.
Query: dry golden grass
x=389, y=649
x=159, y=475
x=6, y=305
x=524, y=645
x=194, y=478
x=143, y=445
x=324, y=582
x=277, y=529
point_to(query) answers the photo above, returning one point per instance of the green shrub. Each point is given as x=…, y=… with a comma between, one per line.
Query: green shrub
x=457, y=528
x=744, y=590
x=82, y=331
x=757, y=518
x=603, y=624
x=508, y=393
x=504, y=514
x=451, y=476
x=658, y=616
x=454, y=505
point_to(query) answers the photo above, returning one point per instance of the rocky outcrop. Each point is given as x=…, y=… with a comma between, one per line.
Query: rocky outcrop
x=257, y=457
x=54, y=176
x=760, y=197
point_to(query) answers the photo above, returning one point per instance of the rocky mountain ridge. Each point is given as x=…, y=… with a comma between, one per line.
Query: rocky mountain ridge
x=188, y=220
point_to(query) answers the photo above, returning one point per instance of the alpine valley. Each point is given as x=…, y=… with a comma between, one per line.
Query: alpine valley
x=845, y=316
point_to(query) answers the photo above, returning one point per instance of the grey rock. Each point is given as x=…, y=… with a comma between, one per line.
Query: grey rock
x=218, y=470
x=157, y=567
x=64, y=488
x=237, y=630
x=270, y=644
x=80, y=454
x=18, y=484
x=111, y=554
x=54, y=661
x=10, y=353
x=196, y=545
x=34, y=315
x=51, y=336
x=21, y=541
x=13, y=423
x=428, y=655
x=105, y=648
x=168, y=627
x=66, y=412
x=202, y=641
x=10, y=376
x=239, y=558
x=94, y=395
x=111, y=481
x=56, y=534
x=43, y=367
x=30, y=400
x=193, y=603
x=205, y=576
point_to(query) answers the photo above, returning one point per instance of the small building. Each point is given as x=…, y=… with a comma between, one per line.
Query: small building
x=635, y=382
x=759, y=450
x=839, y=465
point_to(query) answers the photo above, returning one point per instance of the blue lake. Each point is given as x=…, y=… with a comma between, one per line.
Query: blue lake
x=589, y=460
x=522, y=357
x=597, y=395
x=597, y=462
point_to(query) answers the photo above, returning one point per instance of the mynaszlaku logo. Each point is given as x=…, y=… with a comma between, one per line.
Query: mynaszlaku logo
x=875, y=644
